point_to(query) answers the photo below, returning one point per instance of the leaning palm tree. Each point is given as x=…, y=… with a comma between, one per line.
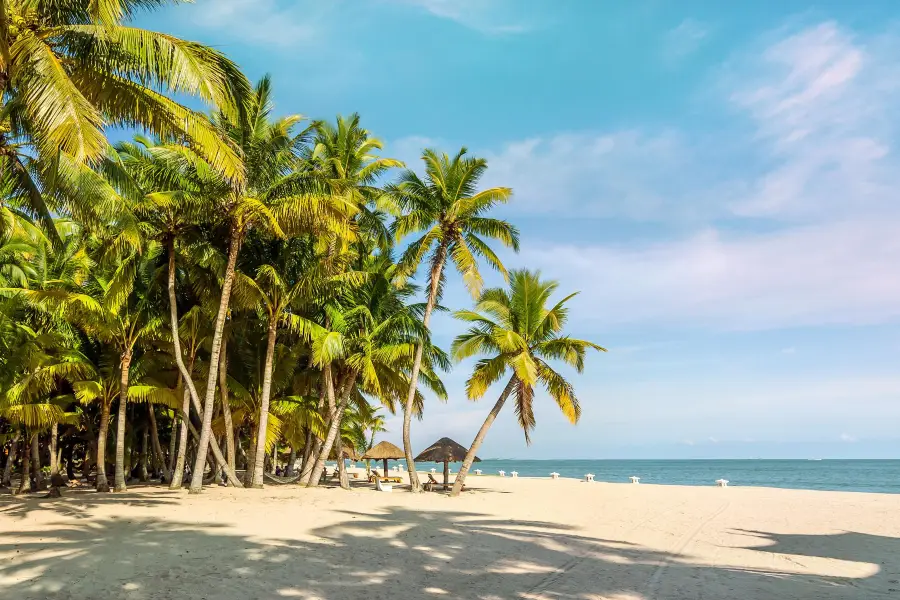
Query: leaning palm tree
x=520, y=333
x=448, y=208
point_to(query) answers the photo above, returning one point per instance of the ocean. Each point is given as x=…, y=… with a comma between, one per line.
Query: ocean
x=836, y=475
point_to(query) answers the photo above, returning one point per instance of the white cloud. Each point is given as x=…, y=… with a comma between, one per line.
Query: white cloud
x=846, y=437
x=843, y=272
x=823, y=106
x=790, y=350
x=683, y=40
x=486, y=16
x=260, y=22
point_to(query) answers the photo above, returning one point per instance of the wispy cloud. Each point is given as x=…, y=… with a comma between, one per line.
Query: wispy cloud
x=684, y=40
x=812, y=119
x=493, y=17
x=260, y=22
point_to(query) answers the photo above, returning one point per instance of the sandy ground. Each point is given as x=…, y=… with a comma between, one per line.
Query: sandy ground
x=506, y=538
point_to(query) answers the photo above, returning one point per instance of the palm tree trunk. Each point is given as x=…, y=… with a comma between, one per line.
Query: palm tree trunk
x=102, y=481
x=313, y=443
x=263, y=420
x=144, y=455
x=291, y=460
x=335, y=427
x=226, y=406
x=251, y=462
x=479, y=438
x=343, y=479
x=10, y=461
x=25, y=483
x=173, y=445
x=178, y=469
x=437, y=269
x=54, y=442
x=36, y=464
x=206, y=424
x=124, y=366
x=157, y=448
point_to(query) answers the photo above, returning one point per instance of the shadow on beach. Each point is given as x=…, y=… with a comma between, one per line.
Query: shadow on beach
x=399, y=553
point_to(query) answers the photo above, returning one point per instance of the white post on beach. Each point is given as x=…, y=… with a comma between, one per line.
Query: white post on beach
x=554, y=475
x=635, y=479
x=515, y=473
x=722, y=482
x=589, y=477
x=478, y=471
x=502, y=473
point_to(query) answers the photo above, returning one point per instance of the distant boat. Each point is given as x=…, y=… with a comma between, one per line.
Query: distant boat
x=813, y=459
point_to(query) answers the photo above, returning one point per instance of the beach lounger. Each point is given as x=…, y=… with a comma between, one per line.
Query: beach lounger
x=635, y=479
x=383, y=487
x=589, y=477
x=478, y=471
x=502, y=473
x=722, y=482
x=515, y=473
x=554, y=475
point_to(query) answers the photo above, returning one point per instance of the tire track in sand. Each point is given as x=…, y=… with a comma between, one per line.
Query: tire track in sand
x=651, y=588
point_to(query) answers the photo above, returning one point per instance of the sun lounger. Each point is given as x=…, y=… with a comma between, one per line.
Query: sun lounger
x=589, y=477
x=635, y=479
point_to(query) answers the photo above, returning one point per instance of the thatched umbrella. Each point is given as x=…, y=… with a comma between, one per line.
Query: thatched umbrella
x=384, y=451
x=444, y=451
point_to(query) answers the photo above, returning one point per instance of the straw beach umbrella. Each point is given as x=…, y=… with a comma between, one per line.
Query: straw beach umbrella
x=384, y=451
x=444, y=451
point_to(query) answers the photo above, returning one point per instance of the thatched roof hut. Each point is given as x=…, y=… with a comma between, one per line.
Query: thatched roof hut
x=384, y=451
x=444, y=451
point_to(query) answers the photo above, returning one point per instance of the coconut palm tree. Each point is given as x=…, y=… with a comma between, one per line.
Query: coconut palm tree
x=520, y=333
x=69, y=69
x=271, y=198
x=447, y=206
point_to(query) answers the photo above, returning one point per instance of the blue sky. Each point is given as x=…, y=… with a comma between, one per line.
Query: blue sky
x=718, y=179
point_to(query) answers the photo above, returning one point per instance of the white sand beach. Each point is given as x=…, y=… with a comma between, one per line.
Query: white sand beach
x=504, y=538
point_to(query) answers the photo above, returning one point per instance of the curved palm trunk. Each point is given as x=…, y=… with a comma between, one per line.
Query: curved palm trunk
x=36, y=464
x=173, y=445
x=102, y=481
x=181, y=453
x=144, y=455
x=479, y=438
x=157, y=448
x=10, y=460
x=436, y=269
x=205, y=413
x=313, y=443
x=335, y=426
x=343, y=478
x=259, y=465
x=206, y=424
x=54, y=442
x=124, y=366
x=226, y=406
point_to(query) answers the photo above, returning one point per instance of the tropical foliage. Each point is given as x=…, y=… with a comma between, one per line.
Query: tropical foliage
x=228, y=290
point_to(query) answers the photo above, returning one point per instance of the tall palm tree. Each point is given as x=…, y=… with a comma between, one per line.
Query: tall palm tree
x=448, y=207
x=520, y=334
x=272, y=197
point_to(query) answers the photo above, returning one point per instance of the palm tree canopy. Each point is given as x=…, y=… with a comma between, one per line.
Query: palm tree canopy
x=521, y=331
x=447, y=206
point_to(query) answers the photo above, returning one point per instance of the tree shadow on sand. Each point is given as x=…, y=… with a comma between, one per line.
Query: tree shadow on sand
x=401, y=553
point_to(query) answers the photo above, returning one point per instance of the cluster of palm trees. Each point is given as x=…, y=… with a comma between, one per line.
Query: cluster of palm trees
x=229, y=283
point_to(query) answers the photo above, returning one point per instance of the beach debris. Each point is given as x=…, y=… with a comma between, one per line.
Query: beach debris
x=589, y=477
x=722, y=482
x=554, y=475
x=635, y=479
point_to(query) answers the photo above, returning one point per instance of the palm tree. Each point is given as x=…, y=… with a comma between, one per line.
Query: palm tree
x=271, y=197
x=520, y=333
x=371, y=343
x=70, y=69
x=448, y=208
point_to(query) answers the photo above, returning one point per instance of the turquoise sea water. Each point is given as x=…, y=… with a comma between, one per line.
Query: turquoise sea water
x=838, y=475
